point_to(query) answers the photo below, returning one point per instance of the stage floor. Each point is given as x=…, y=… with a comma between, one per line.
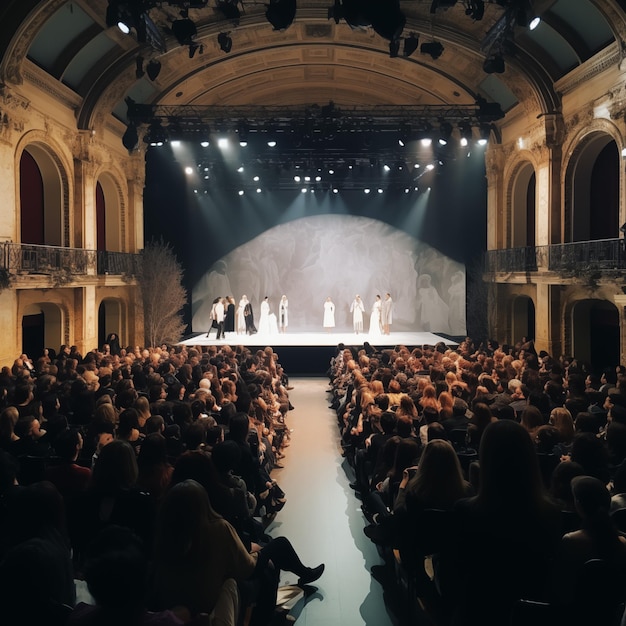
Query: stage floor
x=318, y=339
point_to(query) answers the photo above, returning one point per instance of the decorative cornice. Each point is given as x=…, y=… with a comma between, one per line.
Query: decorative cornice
x=11, y=67
x=41, y=79
x=605, y=59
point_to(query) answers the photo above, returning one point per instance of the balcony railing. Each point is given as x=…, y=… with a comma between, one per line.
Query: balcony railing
x=118, y=263
x=26, y=258
x=602, y=255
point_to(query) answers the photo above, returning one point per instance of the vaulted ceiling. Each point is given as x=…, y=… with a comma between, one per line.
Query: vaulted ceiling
x=313, y=61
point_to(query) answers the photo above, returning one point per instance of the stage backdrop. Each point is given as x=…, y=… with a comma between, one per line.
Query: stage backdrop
x=311, y=258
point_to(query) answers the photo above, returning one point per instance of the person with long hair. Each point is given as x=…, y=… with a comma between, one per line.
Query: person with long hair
x=197, y=550
x=507, y=534
x=598, y=538
x=437, y=483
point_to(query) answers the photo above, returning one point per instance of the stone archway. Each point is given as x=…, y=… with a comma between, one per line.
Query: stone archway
x=42, y=327
x=595, y=333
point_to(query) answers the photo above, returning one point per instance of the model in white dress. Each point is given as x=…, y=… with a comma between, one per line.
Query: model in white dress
x=375, y=328
x=240, y=325
x=264, y=320
x=357, y=308
x=329, y=314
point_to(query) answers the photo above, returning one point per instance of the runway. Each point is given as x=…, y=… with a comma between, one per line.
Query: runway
x=318, y=339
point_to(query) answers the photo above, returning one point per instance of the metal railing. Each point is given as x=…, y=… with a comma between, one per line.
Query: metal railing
x=118, y=263
x=26, y=258
x=602, y=255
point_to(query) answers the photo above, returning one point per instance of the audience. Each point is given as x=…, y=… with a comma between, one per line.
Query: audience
x=195, y=433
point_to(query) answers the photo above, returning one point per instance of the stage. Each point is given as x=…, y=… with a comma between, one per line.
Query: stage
x=318, y=339
x=310, y=353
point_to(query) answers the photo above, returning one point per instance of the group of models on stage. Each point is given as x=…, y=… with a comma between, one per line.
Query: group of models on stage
x=380, y=318
x=226, y=317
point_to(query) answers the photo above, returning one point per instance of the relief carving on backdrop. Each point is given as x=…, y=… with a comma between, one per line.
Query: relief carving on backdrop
x=301, y=259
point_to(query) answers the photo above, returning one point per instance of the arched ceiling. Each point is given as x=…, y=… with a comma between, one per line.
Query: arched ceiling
x=312, y=62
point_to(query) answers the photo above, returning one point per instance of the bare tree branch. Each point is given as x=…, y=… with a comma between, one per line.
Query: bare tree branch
x=160, y=280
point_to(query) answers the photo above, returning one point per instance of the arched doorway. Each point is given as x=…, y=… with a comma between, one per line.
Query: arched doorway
x=523, y=208
x=41, y=328
x=523, y=318
x=596, y=333
x=110, y=320
x=592, y=190
x=108, y=215
x=41, y=198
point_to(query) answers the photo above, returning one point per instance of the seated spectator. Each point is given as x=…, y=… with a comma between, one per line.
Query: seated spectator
x=68, y=477
x=116, y=569
x=598, y=538
x=8, y=420
x=590, y=452
x=561, y=484
x=196, y=551
x=155, y=471
x=113, y=499
x=507, y=534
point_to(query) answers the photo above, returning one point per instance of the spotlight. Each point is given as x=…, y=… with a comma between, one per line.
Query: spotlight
x=410, y=44
x=240, y=192
x=153, y=69
x=271, y=143
x=156, y=135
x=466, y=133
x=475, y=9
x=426, y=141
x=130, y=139
x=280, y=13
x=195, y=47
x=225, y=42
x=433, y=48
x=445, y=132
x=189, y=170
x=485, y=131
x=493, y=64
x=243, y=130
x=230, y=10
x=204, y=144
x=139, y=73
x=184, y=30
x=534, y=23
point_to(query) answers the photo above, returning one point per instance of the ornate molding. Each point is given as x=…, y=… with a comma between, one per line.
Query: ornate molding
x=494, y=162
x=605, y=59
x=11, y=67
x=51, y=86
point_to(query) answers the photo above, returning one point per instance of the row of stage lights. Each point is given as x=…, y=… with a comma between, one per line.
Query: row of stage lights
x=157, y=136
x=334, y=190
x=399, y=177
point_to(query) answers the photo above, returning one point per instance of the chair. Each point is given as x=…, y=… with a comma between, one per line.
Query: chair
x=458, y=438
x=600, y=592
x=466, y=458
x=428, y=535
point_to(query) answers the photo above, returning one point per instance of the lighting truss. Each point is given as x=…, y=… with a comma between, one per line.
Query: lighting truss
x=350, y=119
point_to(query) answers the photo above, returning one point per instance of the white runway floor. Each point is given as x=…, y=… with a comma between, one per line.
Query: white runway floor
x=318, y=339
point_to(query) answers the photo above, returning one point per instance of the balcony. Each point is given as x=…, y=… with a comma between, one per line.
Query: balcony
x=31, y=259
x=567, y=259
